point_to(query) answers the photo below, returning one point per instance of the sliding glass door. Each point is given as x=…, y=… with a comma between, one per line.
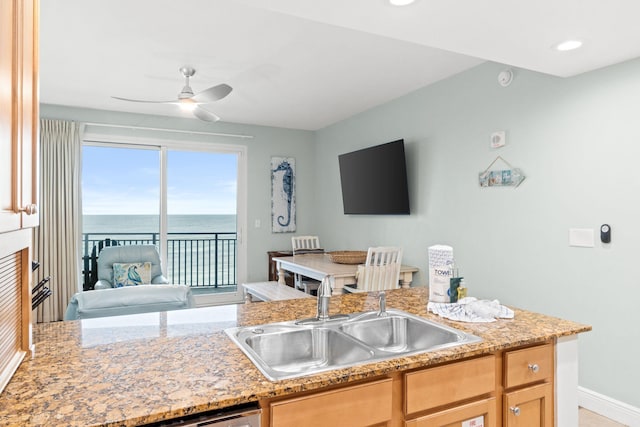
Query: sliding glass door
x=202, y=220
x=120, y=201
x=185, y=201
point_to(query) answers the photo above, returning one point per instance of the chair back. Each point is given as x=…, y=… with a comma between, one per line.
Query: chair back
x=305, y=244
x=129, y=254
x=381, y=269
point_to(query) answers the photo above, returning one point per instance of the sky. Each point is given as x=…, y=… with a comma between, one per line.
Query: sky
x=125, y=181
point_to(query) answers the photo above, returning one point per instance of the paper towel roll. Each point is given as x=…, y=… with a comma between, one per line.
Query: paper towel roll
x=440, y=272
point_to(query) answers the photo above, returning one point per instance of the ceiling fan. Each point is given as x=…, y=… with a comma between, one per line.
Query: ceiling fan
x=187, y=100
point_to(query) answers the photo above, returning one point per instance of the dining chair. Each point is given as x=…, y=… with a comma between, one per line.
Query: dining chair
x=381, y=270
x=304, y=245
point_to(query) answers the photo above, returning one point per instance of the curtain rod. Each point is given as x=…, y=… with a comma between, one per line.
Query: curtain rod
x=231, y=135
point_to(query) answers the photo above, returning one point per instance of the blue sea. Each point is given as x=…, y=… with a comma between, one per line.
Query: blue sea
x=196, y=255
x=146, y=224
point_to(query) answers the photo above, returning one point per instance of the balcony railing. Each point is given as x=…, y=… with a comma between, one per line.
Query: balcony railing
x=200, y=260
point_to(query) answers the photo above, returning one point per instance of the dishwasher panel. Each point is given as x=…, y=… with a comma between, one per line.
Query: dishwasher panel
x=235, y=417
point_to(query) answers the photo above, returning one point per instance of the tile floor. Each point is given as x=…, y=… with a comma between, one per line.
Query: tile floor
x=590, y=419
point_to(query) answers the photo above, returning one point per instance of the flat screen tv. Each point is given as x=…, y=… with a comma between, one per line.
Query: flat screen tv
x=374, y=180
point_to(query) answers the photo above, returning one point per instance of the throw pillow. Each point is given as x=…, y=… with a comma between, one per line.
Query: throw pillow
x=131, y=274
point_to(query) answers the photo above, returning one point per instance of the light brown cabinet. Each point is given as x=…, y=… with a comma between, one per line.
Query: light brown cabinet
x=509, y=388
x=530, y=406
x=18, y=114
x=18, y=176
x=352, y=406
x=528, y=382
x=482, y=412
x=444, y=385
x=446, y=391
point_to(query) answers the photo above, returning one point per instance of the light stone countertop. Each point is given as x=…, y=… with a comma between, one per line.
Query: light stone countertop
x=137, y=369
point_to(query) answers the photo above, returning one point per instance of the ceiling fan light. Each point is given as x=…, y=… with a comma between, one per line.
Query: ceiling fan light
x=187, y=104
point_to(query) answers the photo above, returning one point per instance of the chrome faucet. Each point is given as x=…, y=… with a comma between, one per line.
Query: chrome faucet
x=324, y=295
x=382, y=302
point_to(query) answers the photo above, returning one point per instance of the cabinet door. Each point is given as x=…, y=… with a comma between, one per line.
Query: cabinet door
x=18, y=114
x=529, y=407
x=476, y=414
x=29, y=116
x=9, y=154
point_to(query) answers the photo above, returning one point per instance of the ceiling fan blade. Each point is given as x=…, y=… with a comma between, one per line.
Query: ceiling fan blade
x=142, y=100
x=205, y=115
x=214, y=93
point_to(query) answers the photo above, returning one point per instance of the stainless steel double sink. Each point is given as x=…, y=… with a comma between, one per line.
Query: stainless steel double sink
x=292, y=349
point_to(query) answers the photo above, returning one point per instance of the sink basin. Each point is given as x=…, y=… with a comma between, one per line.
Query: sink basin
x=307, y=350
x=401, y=334
x=290, y=349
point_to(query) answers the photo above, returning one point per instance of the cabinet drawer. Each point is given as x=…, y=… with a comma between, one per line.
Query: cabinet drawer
x=454, y=417
x=528, y=365
x=448, y=384
x=356, y=406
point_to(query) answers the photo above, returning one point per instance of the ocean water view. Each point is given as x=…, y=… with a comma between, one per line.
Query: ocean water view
x=201, y=249
x=150, y=223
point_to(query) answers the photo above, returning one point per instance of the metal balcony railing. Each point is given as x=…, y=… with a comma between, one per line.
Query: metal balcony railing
x=200, y=260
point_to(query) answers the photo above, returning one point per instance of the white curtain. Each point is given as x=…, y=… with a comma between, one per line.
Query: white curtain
x=57, y=239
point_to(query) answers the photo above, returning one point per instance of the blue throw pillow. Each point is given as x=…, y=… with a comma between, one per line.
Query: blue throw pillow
x=131, y=274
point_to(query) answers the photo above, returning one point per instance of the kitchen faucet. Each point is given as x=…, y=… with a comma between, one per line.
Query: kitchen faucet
x=382, y=302
x=324, y=296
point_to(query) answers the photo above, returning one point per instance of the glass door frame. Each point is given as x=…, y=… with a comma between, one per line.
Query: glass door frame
x=163, y=145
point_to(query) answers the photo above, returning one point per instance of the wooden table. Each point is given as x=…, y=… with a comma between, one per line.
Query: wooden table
x=318, y=266
x=272, y=291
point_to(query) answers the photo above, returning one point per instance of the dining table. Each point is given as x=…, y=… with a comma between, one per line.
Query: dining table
x=319, y=266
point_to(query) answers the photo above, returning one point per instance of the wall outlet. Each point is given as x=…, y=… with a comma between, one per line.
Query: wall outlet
x=257, y=223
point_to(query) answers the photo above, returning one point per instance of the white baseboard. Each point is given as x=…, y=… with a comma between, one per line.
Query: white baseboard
x=608, y=407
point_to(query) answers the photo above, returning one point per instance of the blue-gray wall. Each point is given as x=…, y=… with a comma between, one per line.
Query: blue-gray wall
x=578, y=142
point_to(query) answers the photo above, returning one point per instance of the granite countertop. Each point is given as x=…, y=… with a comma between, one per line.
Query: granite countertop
x=137, y=369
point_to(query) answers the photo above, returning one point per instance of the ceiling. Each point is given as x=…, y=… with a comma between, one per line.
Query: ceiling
x=306, y=64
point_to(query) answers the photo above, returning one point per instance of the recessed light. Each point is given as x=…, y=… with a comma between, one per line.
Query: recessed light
x=400, y=2
x=568, y=45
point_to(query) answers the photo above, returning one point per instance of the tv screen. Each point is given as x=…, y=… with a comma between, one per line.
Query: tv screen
x=374, y=180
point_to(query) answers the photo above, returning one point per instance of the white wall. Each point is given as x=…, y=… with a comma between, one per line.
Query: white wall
x=267, y=142
x=578, y=142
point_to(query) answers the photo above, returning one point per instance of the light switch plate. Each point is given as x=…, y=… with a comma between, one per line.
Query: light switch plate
x=581, y=237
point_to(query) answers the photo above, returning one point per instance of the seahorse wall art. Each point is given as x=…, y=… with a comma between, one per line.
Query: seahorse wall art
x=283, y=194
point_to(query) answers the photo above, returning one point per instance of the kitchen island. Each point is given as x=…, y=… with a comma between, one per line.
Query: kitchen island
x=137, y=369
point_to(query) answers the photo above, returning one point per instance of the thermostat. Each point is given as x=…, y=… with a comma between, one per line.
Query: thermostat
x=605, y=233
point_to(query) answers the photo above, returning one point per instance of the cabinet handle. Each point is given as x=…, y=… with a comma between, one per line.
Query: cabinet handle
x=30, y=209
x=515, y=410
x=534, y=368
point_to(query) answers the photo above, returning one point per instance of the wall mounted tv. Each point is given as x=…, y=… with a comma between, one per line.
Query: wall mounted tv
x=374, y=180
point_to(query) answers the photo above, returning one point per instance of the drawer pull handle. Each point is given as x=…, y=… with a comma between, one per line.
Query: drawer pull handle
x=534, y=368
x=515, y=410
